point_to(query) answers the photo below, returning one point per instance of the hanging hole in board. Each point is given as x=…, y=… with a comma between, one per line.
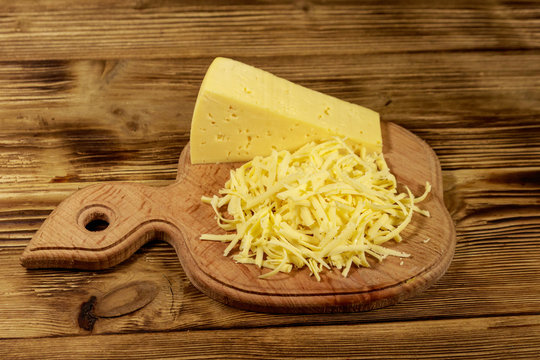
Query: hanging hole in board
x=96, y=222
x=96, y=218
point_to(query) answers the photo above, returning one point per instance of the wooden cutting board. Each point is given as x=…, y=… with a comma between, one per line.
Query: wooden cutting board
x=102, y=225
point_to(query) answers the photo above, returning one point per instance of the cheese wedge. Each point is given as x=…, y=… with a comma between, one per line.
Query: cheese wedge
x=242, y=112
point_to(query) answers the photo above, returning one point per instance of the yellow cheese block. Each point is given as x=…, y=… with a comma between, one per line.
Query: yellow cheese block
x=242, y=112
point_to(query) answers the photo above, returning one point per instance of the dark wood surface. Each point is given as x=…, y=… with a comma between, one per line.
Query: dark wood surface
x=95, y=91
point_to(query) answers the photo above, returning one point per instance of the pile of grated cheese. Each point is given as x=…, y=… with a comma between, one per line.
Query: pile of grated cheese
x=321, y=206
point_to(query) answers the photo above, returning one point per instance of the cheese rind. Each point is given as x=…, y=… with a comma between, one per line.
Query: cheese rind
x=242, y=112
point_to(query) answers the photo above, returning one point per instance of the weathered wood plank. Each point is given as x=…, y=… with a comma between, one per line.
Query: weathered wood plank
x=139, y=28
x=486, y=338
x=479, y=199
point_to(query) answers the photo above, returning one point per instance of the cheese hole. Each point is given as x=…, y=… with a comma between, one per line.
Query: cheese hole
x=220, y=137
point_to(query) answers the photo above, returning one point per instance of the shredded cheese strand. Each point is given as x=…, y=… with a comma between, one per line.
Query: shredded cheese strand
x=322, y=206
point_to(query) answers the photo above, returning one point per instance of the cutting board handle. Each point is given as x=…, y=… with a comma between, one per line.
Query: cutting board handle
x=102, y=225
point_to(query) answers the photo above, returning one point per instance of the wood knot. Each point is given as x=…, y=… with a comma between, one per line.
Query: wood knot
x=120, y=301
x=87, y=318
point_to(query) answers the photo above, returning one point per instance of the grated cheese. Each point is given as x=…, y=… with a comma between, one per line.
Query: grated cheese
x=322, y=206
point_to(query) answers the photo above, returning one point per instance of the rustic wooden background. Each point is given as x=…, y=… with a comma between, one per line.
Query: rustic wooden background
x=97, y=90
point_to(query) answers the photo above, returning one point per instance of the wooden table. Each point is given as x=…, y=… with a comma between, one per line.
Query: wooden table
x=94, y=91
